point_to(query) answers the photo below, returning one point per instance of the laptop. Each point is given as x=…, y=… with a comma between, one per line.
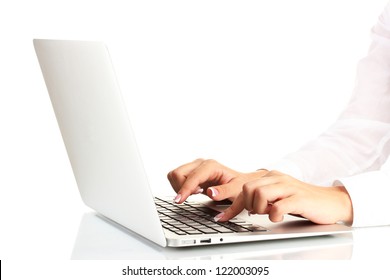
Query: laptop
x=108, y=167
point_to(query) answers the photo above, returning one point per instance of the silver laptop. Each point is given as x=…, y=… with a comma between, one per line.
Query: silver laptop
x=108, y=167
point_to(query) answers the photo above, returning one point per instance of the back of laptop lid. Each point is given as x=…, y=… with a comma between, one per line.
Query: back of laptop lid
x=97, y=133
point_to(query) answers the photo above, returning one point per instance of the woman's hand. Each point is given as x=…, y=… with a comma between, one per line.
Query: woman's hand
x=210, y=177
x=277, y=194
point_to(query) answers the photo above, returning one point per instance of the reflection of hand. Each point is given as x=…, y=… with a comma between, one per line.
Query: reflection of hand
x=277, y=194
x=210, y=177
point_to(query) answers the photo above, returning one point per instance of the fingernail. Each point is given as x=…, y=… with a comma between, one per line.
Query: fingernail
x=219, y=216
x=214, y=192
x=177, y=198
x=199, y=190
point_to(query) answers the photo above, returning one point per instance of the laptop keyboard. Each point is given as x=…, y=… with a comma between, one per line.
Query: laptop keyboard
x=194, y=218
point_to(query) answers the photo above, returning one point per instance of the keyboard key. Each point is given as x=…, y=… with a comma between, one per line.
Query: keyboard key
x=222, y=229
x=193, y=231
x=256, y=228
x=208, y=230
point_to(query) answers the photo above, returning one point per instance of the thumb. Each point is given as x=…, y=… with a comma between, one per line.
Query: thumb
x=234, y=209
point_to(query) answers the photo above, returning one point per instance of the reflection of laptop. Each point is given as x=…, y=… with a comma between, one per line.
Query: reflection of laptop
x=112, y=241
x=108, y=167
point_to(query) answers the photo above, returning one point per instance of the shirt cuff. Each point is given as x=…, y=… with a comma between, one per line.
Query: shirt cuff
x=369, y=193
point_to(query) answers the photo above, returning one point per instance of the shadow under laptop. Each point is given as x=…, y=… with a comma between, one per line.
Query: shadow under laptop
x=99, y=238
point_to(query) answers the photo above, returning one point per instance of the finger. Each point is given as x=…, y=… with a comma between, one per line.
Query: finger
x=175, y=180
x=225, y=191
x=178, y=176
x=207, y=171
x=289, y=205
x=258, y=194
x=261, y=203
x=230, y=190
x=234, y=209
x=192, y=184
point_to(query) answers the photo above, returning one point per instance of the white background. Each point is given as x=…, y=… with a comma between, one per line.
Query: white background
x=243, y=82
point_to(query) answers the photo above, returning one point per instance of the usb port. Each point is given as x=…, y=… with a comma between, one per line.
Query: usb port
x=205, y=240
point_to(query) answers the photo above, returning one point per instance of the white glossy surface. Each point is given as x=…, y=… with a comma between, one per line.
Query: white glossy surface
x=99, y=239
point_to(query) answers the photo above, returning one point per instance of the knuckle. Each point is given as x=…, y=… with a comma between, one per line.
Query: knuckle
x=174, y=175
x=252, y=188
x=273, y=173
x=259, y=192
x=285, y=177
x=169, y=176
x=210, y=162
x=246, y=188
x=199, y=160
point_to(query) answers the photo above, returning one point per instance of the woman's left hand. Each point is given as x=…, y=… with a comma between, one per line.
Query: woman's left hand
x=277, y=194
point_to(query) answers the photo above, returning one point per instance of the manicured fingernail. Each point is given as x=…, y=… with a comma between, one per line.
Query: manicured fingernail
x=177, y=198
x=219, y=216
x=214, y=192
x=199, y=190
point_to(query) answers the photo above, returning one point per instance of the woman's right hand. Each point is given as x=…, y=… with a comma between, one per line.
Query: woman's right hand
x=211, y=178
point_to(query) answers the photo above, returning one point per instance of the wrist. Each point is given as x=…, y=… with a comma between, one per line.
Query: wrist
x=346, y=213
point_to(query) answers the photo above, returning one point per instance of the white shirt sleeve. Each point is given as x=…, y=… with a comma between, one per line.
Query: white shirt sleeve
x=358, y=143
x=369, y=193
